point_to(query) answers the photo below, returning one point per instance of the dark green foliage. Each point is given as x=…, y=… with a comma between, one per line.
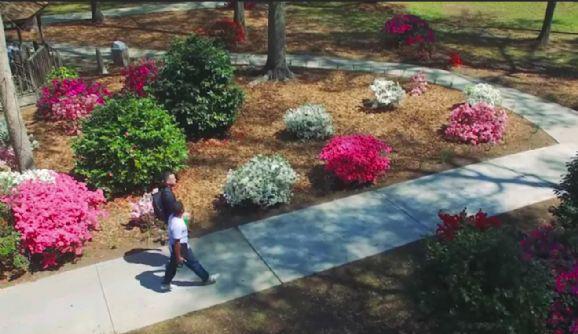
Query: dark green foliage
x=477, y=283
x=127, y=143
x=10, y=258
x=196, y=86
x=567, y=192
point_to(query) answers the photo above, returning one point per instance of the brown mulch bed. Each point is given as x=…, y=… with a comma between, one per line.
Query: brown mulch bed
x=372, y=295
x=412, y=131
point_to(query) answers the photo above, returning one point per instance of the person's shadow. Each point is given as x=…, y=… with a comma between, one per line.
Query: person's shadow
x=152, y=279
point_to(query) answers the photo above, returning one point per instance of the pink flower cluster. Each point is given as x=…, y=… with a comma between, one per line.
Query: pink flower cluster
x=7, y=157
x=140, y=75
x=68, y=93
x=356, y=158
x=418, y=84
x=480, y=123
x=409, y=29
x=143, y=209
x=57, y=218
x=451, y=224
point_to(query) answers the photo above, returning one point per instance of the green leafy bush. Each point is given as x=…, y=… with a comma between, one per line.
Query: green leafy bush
x=475, y=281
x=567, y=192
x=196, y=86
x=10, y=257
x=127, y=143
x=62, y=72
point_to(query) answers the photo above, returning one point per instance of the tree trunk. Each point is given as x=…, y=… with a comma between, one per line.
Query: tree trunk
x=97, y=16
x=239, y=14
x=544, y=36
x=14, y=122
x=276, y=66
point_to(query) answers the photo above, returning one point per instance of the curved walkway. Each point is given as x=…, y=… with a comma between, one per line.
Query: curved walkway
x=121, y=295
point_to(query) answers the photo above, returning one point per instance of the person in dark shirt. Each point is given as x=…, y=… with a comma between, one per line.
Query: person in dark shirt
x=168, y=199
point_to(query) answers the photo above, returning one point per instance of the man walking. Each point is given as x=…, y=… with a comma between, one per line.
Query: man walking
x=181, y=253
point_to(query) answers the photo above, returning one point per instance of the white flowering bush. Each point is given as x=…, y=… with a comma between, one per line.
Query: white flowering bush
x=264, y=181
x=483, y=93
x=387, y=93
x=309, y=121
x=9, y=180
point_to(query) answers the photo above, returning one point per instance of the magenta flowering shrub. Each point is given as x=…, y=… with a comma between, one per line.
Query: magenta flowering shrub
x=138, y=76
x=356, y=158
x=480, y=123
x=411, y=30
x=418, y=84
x=55, y=219
x=7, y=157
x=68, y=100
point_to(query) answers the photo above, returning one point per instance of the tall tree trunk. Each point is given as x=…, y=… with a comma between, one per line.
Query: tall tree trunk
x=15, y=123
x=544, y=36
x=239, y=14
x=97, y=16
x=276, y=66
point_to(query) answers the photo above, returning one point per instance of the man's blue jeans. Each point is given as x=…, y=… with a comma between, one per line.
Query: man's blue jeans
x=190, y=261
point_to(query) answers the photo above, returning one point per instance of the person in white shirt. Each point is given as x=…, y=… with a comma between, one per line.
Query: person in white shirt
x=181, y=253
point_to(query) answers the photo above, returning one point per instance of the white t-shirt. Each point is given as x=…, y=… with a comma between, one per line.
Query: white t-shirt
x=177, y=231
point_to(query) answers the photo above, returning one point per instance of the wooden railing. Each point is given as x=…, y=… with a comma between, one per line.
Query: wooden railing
x=30, y=68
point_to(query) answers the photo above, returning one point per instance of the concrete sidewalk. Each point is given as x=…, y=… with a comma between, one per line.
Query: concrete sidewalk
x=123, y=294
x=128, y=11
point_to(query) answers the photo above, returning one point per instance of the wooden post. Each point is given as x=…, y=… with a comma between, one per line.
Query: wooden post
x=18, y=136
x=39, y=23
x=101, y=68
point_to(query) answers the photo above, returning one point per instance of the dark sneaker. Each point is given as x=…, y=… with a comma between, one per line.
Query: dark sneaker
x=165, y=287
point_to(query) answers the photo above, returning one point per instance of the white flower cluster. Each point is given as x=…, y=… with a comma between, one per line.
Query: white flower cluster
x=264, y=181
x=9, y=180
x=387, y=92
x=483, y=93
x=309, y=121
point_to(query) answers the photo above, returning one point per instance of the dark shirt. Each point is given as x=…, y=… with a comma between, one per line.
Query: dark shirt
x=169, y=202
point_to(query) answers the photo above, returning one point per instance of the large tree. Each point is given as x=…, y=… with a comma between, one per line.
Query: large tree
x=97, y=16
x=544, y=36
x=239, y=14
x=16, y=129
x=276, y=66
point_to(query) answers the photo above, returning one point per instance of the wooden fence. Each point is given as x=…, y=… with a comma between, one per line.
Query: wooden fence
x=30, y=67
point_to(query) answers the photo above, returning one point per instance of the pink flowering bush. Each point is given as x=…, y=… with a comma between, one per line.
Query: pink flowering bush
x=480, y=123
x=7, y=157
x=137, y=77
x=142, y=212
x=55, y=219
x=68, y=100
x=356, y=158
x=411, y=30
x=418, y=84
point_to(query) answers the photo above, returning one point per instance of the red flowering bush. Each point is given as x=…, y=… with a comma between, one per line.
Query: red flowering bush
x=227, y=31
x=410, y=30
x=68, y=100
x=55, y=219
x=455, y=59
x=137, y=77
x=480, y=123
x=451, y=224
x=356, y=158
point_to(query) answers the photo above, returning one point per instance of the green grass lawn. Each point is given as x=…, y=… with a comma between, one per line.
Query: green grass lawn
x=74, y=7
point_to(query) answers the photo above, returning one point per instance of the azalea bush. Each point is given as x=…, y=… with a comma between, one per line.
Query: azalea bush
x=69, y=100
x=483, y=93
x=62, y=72
x=567, y=192
x=418, y=84
x=227, y=31
x=476, y=124
x=139, y=77
x=10, y=180
x=127, y=143
x=356, y=158
x=455, y=60
x=388, y=94
x=474, y=280
x=263, y=181
x=196, y=86
x=309, y=121
x=410, y=31
x=55, y=218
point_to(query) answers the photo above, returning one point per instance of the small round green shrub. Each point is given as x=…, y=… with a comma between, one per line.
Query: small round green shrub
x=263, y=181
x=309, y=121
x=127, y=143
x=10, y=257
x=567, y=192
x=62, y=72
x=196, y=86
